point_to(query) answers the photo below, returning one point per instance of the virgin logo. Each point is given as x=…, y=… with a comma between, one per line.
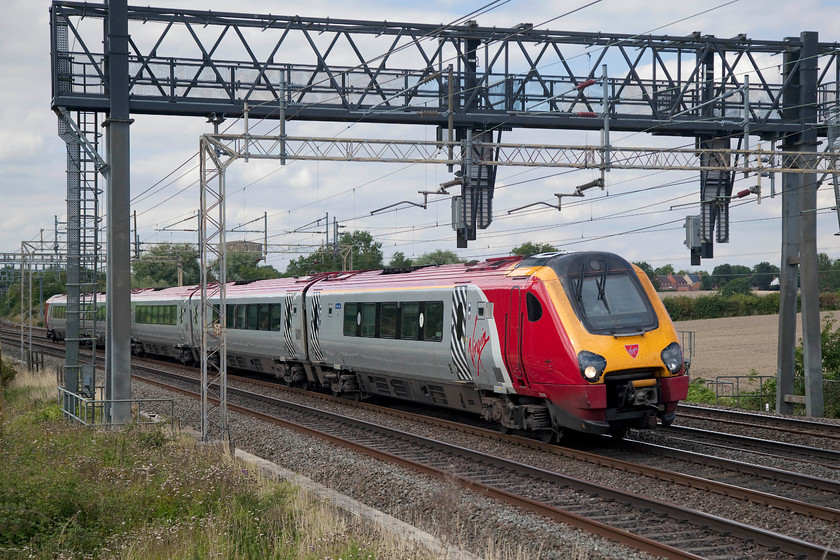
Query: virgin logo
x=632, y=349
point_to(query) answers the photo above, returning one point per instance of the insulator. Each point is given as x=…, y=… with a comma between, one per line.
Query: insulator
x=429, y=113
x=590, y=114
x=743, y=193
x=584, y=85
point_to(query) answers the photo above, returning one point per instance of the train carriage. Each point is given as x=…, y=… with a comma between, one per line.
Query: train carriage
x=546, y=343
x=264, y=327
x=162, y=323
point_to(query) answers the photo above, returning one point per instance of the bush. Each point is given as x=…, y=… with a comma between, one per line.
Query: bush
x=7, y=374
x=829, y=301
x=680, y=308
x=736, y=286
x=741, y=305
x=709, y=307
x=699, y=393
x=768, y=304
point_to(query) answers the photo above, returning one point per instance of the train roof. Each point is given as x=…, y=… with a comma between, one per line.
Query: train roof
x=435, y=276
x=495, y=271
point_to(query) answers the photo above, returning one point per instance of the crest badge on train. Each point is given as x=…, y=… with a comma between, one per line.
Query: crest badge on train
x=632, y=349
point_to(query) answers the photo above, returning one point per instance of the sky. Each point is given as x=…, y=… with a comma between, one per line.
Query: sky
x=638, y=215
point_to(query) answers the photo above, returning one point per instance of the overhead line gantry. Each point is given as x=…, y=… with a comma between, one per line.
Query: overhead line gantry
x=471, y=82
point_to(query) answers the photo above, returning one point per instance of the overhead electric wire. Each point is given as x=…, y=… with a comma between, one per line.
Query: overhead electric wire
x=348, y=190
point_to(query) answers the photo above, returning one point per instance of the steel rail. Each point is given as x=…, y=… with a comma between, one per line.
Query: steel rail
x=743, y=443
x=691, y=481
x=766, y=538
x=618, y=535
x=752, y=420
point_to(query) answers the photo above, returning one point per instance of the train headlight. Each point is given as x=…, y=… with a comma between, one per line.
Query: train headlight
x=591, y=365
x=672, y=357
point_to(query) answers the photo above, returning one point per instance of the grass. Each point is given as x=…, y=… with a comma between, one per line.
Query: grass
x=142, y=494
x=72, y=492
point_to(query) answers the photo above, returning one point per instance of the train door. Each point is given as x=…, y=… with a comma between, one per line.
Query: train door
x=458, y=336
x=513, y=339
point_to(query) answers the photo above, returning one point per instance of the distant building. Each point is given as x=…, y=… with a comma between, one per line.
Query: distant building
x=679, y=282
x=693, y=281
x=245, y=247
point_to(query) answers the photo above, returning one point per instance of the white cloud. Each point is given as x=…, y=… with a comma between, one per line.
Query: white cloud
x=32, y=158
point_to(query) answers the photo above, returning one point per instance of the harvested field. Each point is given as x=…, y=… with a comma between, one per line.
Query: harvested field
x=737, y=345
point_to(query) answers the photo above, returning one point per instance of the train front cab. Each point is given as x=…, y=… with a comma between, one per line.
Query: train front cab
x=618, y=363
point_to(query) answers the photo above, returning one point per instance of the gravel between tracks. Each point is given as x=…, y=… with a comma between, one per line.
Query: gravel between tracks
x=455, y=516
x=463, y=518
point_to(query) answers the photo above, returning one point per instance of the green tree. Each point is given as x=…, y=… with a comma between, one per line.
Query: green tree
x=736, y=286
x=651, y=274
x=828, y=273
x=438, y=257
x=357, y=251
x=158, y=266
x=725, y=273
x=366, y=252
x=665, y=270
x=529, y=248
x=763, y=274
x=244, y=265
x=399, y=260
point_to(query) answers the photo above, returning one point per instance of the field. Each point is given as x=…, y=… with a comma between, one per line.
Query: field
x=737, y=345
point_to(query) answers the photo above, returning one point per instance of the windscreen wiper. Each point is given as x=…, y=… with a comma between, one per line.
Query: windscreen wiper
x=602, y=285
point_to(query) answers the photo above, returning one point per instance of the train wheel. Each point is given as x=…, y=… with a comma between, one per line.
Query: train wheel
x=549, y=436
x=503, y=429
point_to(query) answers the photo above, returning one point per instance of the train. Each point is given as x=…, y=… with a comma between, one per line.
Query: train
x=548, y=344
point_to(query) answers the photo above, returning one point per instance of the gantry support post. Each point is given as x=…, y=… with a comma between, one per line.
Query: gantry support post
x=213, y=308
x=118, y=314
x=808, y=274
x=799, y=244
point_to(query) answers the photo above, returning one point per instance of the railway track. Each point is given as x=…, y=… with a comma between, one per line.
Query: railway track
x=816, y=503
x=765, y=426
x=678, y=532
x=826, y=458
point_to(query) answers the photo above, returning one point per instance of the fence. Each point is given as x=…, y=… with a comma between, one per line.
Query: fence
x=739, y=391
x=687, y=343
x=94, y=412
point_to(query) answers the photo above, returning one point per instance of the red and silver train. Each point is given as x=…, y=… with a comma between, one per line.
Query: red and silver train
x=545, y=343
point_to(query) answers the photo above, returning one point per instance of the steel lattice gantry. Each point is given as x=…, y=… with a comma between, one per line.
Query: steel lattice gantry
x=467, y=80
x=500, y=78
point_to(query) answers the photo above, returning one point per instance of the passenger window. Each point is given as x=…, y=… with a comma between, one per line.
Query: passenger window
x=410, y=321
x=241, y=316
x=264, y=316
x=276, y=322
x=253, y=318
x=230, y=316
x=433, y=328
x=534, y=307
x=388, y=320
x=350, y=310
x=368, y=324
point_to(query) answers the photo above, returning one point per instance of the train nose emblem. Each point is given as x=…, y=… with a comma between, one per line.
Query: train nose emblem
x=632, y=349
